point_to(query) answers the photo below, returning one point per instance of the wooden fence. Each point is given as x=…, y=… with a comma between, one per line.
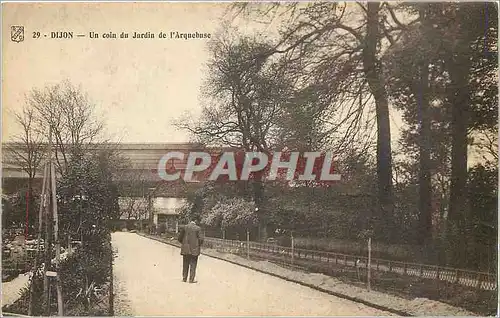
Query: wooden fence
x=291, y=255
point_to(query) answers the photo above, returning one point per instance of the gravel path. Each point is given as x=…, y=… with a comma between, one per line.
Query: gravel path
x=11, y=290
x=148, y=280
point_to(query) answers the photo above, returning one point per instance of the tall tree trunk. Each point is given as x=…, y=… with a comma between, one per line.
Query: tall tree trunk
x=425, y=189
x=373, y=72
x=29, y=204
x=34, y=205
x=258, y=193
x=459, y=68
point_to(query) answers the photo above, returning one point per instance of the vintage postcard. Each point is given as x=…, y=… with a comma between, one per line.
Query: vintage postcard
x=249, y=158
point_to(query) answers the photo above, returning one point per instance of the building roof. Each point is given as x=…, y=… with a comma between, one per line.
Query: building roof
x=141, y=156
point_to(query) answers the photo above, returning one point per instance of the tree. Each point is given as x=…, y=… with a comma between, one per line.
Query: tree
x=344, y=46
x=16, y=214
x=27, y=148
x=133, y=207
x=88, y=196
x=231, y=212
x=245, y=94
x=486, y=144
x=27, y=151
x=415, y=66
x=376, y=82
x=440, y=128
x=66, y=112
x=482, y=218
x=192, y=207
x=466, y=41
x=132, y=186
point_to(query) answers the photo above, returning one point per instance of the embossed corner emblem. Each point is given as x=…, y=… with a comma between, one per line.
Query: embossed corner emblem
x=17, y=33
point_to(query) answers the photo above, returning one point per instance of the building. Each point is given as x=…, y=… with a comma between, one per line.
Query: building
x=165, y=211
x=140, y=171
x=138, y=180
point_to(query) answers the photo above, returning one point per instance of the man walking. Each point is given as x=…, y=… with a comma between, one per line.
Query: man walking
x=191, y=238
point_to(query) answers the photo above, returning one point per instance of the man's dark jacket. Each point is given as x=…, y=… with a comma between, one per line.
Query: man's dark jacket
x=191, y=238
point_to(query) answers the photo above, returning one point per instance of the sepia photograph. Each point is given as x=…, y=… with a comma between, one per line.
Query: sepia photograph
x=258, y=158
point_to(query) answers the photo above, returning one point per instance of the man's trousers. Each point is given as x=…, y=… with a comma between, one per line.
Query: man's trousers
x=189, y=263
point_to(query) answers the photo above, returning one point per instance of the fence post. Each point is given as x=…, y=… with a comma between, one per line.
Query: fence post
x=357, y=269
x=369, y=261
x=248, y=244
x=421, y=270
x=405, y=268
x=479, y=281
x=292, y=243
x=437, y=272
x=457, y=276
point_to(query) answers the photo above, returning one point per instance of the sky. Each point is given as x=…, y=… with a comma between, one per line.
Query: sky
x=139, y=86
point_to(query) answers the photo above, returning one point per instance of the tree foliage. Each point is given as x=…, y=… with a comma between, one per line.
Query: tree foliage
x=88, y=196
x=14, y=210
x=66, y=112
x=231, y=212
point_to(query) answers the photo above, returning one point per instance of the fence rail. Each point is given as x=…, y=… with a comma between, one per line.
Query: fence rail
x=474, y=279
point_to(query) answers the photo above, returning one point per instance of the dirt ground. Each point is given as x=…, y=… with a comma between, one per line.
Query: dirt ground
x=404, y=306
x=148, y=282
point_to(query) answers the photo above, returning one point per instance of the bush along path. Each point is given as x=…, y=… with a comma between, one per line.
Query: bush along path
x=333, y=286
x=87, y=284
